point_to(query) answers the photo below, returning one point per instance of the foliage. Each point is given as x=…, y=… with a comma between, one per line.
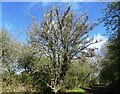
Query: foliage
x=9, y=51
x=35, y=69
x=60, y=38
x=111, y=66
x=107, y=73
x=9, y=63
x=80, y=74
x=111, y=18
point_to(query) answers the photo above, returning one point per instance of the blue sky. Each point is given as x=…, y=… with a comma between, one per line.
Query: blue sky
x=15, y=16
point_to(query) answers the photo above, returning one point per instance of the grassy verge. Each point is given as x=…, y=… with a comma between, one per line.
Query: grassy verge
x=79, y=90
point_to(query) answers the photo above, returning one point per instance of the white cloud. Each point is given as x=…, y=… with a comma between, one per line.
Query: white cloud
x=101, y=41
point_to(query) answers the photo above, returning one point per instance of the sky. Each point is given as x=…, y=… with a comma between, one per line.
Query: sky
x=16, y=18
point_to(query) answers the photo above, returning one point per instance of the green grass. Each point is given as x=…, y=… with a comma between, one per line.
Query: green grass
x=79, y=90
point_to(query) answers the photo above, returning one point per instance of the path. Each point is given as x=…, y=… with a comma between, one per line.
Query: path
x=98, y=89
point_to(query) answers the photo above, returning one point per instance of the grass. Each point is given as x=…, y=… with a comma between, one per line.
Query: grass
x=79, y=90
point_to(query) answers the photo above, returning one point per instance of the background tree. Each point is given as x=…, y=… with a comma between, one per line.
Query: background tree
x=61, y=38
x=9, y=57
x=9, y=52
x=80, y=73
x=34, y=69
x=112, y=67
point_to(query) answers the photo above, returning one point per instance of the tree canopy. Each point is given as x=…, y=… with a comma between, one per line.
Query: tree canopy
x=61, y=38
x=111, y=70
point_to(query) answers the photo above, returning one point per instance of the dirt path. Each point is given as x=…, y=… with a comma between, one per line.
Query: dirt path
x=95, y=90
